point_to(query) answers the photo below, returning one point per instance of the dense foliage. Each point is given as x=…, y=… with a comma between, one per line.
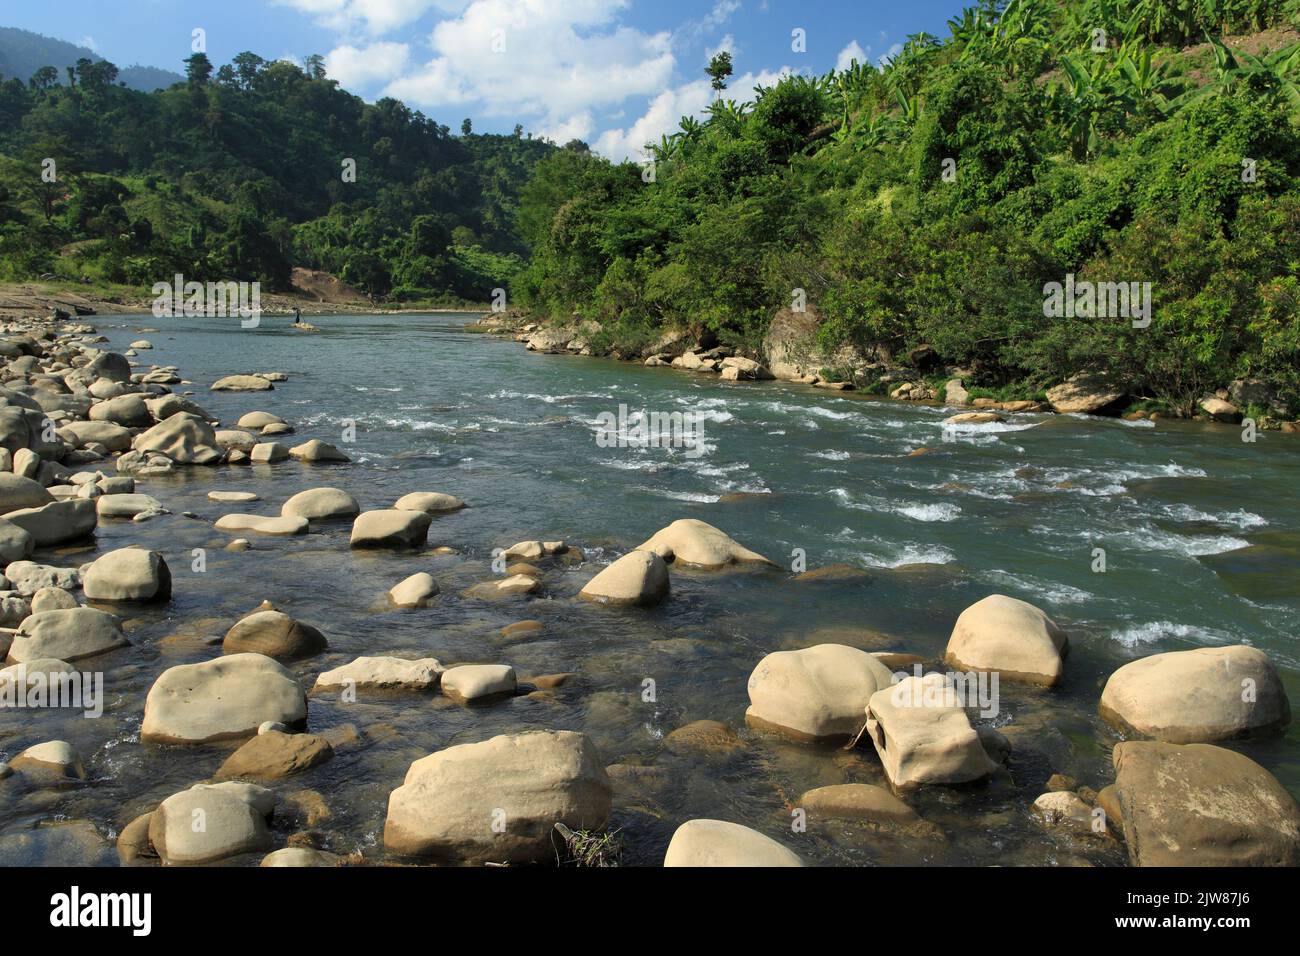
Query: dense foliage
x=931, y=200
x=241, y=173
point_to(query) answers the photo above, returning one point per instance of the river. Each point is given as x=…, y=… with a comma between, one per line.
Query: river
x=1200, y=533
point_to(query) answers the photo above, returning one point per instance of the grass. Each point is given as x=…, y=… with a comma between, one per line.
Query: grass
x=585, y=848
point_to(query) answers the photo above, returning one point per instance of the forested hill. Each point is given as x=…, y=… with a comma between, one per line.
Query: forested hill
x=246, y=170
x=22, y=53
x=929, y=202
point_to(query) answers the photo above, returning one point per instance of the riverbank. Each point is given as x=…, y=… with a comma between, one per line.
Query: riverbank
x=417, y=638
x=790, y=353
x=315, y=296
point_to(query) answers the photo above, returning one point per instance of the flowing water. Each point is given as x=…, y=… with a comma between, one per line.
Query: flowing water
x=1200, y=530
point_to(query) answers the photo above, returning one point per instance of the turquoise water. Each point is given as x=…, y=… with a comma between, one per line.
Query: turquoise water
x=1201, y=534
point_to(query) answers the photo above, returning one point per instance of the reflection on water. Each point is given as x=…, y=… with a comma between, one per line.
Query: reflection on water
x=1201, y=533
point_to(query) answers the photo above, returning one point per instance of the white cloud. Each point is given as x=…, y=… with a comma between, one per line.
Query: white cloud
x=375, y=17
x=850, y=53
x=893, y=51
x=665, y=112
x=89, y=43
x=376, y=63
x=550, y=59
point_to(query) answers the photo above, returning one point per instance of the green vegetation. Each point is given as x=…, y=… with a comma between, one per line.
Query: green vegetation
x=930, y=202
x=242, y=172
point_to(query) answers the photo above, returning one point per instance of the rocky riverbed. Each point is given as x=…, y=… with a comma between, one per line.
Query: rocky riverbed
x=309, y=658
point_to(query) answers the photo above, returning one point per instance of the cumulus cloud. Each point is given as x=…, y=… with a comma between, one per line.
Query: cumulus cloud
x=665, y=112
x=360, y=66
x=555, y=60
x=375, y=17
x=850, y=53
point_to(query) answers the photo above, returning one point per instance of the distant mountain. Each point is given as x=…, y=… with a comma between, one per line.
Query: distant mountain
x=22, y=53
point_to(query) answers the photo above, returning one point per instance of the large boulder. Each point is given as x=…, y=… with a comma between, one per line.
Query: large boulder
x=185, y=438
x=390, y=528
x=691, y=541
x=129, y=410
x=1087, y=393
x=128, y=574
x=815, y=693
x=499, y=800
x=719, y=843
x=66, y=635
x=57, y=522
x=1011, y=637
x=1201, y=805
x=221, y=699
x=1197, y=696
x=18, y=492
x=393, y=674
x=112, y=437
x=16, y=544
x=923, y=736
x=110, y=365
x=639, y=577
x=274, y=634
x=319, y=504
x=165, y=406
x=233, y=816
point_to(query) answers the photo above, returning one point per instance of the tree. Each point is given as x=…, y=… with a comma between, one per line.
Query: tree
x=47, y=77
x=466, y=127
x=315, y=65
x=719, y=69
x=198, y=69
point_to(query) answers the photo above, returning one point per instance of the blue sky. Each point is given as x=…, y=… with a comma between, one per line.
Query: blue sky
x=616, y=73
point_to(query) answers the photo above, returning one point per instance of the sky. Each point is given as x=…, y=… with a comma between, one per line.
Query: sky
x=615, y=73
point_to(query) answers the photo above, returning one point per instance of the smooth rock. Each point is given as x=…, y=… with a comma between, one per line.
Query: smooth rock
x=1197, y=696
x=274, y=634
x=691, y=541
x=382, y=674
x=923, y=736
x=234, y=817
x=320, y=504
x=225, y=698
x=1008, y=636
x=418, y=590
x=390, y=529
x=446, y=807
x=67, y=635
x=128, y=574
x=815, y=693
x=719, y=843
x=468, y=683
x=639, y=577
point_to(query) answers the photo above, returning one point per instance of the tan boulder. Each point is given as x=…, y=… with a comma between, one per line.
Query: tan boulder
x=691, y=541
x=719, y=843
x=1008, y=636
x=1197, y=696
x=815, y=693
x=639, y=577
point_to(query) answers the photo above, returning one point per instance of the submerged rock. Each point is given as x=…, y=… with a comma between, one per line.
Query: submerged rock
x=430, y=502
x=274, y=754
x=260, y=524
